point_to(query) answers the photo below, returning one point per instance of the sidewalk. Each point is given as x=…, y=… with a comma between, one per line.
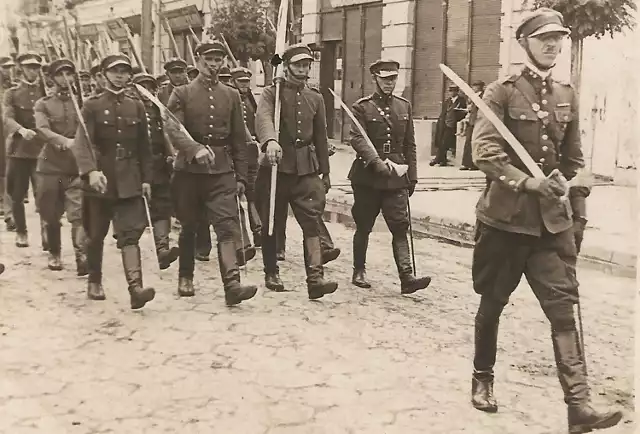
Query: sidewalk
x=443, y=207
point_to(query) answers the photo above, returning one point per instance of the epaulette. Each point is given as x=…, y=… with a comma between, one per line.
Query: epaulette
x=510, y=78
x=363, y=99
x=563, y=82
x=94, y=96
x=315, y=89
x=402, y=99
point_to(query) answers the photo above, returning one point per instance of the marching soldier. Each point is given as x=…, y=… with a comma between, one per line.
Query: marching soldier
x=23, y=143
x=161, y=208
x=388, y=122
x=116, y=161
x=99, y=82
x=176, y=70
x=59, y=187
x=301, y=152
x=211, y=172
x=6, y=72
x=85, y=83
x=162, y=80
x=225, y=75
x=524, y=227
x=192, y=72
x=242, y=81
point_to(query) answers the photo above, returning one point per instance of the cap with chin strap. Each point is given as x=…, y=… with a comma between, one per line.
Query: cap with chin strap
x=29, y=59
x=296, y=53
x=384, y=68
x=541, y=21
x=144, y=78
x=241, y=74
x=224, y=72
x=175, y=63
x=60, y=64
x=6, y=62
x=209, y=47
x=113, y=60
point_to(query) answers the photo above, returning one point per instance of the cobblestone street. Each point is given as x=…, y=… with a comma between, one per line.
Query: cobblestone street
x=358, y=361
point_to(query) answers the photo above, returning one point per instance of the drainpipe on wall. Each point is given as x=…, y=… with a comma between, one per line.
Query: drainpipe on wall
x=413, y=53
x=363, y=30
x=344, y=82
x=469, y=41
x=445, y=24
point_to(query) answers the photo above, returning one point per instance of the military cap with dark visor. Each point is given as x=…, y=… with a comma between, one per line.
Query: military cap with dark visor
x=95, y=68
x=60, y=64
x=209, y=47
x=6, y=62
x=384, y=68
x=541, y=21
x=296, y=53
x=29, y=58
x=224, y=72
x=241, y=74
x=175, y=63
x=113, y=60
x=144, y=78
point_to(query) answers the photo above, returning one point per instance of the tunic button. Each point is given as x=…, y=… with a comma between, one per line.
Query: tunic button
x=388, y=129
x=211, y=117
x=105, y=122
x=299, y=122
x=210, y=97
x=299, y=113
x=545, y=137
x=119, y=131
x=299, y=131
x=211, y=106
x=388, y=135
x=210, y=126
x=523, y=117
x=544, y=91
x=544, y=101
x=566, y=118
x=512, y=183
x=502, y=178
x=545, y=148
x=542, y=160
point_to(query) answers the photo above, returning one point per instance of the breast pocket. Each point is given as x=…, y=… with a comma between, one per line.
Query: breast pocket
x=58, y=123
x=563, y=116
x=129, y=128
x=524, y=120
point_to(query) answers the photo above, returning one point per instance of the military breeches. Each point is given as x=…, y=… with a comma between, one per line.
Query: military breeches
x=128, y=216
x=252, y=157
x=306, y=196
x=19, y=172
x=57, y=194
x=368, y=202
x=160, y=205
x=548, y=262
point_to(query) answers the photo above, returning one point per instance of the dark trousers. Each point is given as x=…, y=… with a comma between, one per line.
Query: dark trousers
x=306, y=196
x=500, y=259
x=160, y=205
x=57, y=194
x=20, y=171
x=368, y=202
x=447, y=142
x=280, y=232
x=467, y=158
x=195, y=195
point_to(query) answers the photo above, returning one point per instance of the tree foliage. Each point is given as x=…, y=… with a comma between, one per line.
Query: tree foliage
x=244, y=25
x=593, y=17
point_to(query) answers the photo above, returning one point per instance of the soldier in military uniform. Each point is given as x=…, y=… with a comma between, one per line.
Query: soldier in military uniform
x=162, y=80
x=59, y=187
x=388, y=122
x=6, y=72
x=192, y=72
x=99, y=82
x=23, y=143
x=210, y=172
x=85, y=83
x=301, y=153
x=242, y=81
x=225, y=75
x=524, y=227
x=176, y=70
x=161, y=208
x=116, y=161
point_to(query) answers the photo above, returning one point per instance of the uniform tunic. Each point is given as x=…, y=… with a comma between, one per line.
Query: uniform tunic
x=118, y=135
x=59, y=185
x=388, y=122
x=520, y=232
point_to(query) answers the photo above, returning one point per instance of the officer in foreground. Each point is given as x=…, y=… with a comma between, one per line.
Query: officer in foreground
x=116, y=161
x=301, y=153
x=59, y=187
x=388, y=122
x=210, y=172
x=524, y=226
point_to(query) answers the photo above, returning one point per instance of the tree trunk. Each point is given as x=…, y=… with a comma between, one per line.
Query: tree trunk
x=576, y=63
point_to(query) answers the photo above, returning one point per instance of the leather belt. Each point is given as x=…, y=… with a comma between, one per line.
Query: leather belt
x=211, y=141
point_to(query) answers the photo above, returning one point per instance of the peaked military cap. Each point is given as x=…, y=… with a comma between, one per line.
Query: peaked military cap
x=191, y=68
x=296, y=53
x=115, y=59
x=142, y=78
x=95, y=68
x=29, y=58
x=84, y=74
x=224, y=72
x=59, y=64
x=6, y=61
x=162, y=78
x=384, y=68
x=540, y=21
x=241, y=73
x=175, y=63
x=209, y=47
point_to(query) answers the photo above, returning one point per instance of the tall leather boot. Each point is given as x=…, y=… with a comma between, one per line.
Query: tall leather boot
x=244, y=250
x=203, y=242
x=329, y=251
x=255, y=223
x=270, y=262
x=79, y=241
x=94, y=266
x=132, y=265
x=360, y=245
x=44, y=236
x=186, y=263
x=408, y=282
x=582, y=418
x=20, y=221
x=234, y=292
x=486, y=346
x=317, y=286
x=166, y=255
x=55, y=246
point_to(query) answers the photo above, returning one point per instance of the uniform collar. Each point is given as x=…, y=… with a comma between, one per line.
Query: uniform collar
x=207, y=81
x=25, y=83
x=533, y=69
x=295, y=86
x=379, y=96
x=62, y=93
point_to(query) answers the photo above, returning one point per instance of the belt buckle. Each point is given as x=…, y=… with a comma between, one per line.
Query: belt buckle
x=121, y=153
x=386, y=148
